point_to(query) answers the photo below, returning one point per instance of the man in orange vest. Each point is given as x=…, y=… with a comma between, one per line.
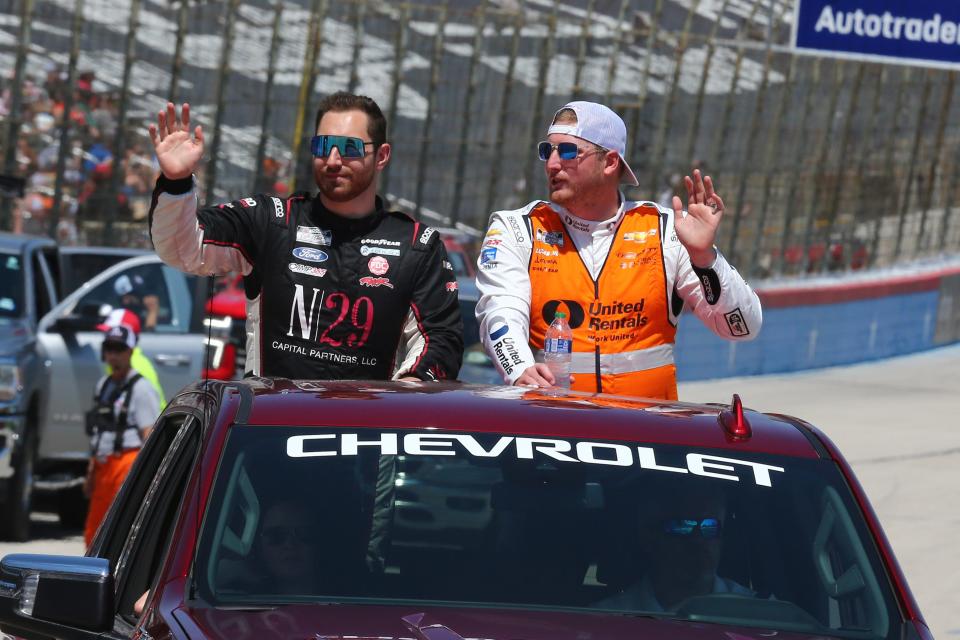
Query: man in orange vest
x=621, y=270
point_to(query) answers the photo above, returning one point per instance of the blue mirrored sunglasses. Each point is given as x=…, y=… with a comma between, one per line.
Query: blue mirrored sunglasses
x=346, y=146
x=708, y=527
x=567, y=150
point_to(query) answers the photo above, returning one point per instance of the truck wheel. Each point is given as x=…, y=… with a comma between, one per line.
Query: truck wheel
x=16, y=526
x=72, y=508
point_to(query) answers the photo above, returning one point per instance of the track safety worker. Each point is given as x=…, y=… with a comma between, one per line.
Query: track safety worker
x=125, y=408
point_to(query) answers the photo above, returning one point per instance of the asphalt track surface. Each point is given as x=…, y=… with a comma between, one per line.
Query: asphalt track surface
x=897, y=421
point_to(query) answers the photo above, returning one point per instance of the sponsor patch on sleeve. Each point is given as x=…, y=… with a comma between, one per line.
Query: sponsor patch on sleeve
x=426, y=235
x=277, y=207
x=736, y=323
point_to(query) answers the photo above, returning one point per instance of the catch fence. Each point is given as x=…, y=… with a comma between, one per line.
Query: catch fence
x=825, y=165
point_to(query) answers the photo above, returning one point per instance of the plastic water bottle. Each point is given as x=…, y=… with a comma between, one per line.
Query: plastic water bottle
x=557, y=349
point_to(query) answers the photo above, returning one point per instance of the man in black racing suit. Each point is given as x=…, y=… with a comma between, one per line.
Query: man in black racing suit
x=337, y=287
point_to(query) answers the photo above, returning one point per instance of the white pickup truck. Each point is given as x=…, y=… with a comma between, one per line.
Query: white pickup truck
x=50, y=360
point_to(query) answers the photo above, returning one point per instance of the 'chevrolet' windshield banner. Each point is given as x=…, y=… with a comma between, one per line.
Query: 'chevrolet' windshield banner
x=916, y=32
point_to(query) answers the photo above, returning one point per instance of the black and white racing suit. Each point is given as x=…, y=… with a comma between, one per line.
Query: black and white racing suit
x=328, y=297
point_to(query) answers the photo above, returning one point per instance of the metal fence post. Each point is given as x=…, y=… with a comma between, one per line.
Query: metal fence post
x=582, y=47
x=906, y=200
x=399, y=44
x=431, y=99
x=615, y=56
x=772, y=166
x=888, y=163
x=458, y=178
x=120, y=141
x=800, y=148
x=361, y=11
x=820, y=163
x=935, y=158
x=504, y=109
x=222, y=73
x=656, y=158
x=543, y=72
x=268, y=93
x=839, y=185
x=318, y=12
x=754, y=132
x=643, y=87
x=704, y=74
x=16, y=105
x=177, y=66
x=66, y=147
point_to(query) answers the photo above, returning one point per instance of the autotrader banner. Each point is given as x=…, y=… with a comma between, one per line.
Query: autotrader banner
x=917, y=32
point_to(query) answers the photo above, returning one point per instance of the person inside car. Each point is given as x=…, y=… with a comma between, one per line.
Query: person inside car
x=287, y=548
x=125, y=408
x=622, y=270
x=286, y=557
x=681, y=538
x=135, y=296
x=337, y=286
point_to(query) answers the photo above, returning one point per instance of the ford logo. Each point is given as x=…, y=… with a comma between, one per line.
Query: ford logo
x=310, y=255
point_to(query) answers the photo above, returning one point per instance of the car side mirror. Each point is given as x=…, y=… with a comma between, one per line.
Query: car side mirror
x=65, y=590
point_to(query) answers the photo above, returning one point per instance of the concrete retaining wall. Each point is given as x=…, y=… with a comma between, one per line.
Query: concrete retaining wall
x=831, y=322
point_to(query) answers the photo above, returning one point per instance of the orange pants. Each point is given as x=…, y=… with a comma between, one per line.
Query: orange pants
x=107, y=478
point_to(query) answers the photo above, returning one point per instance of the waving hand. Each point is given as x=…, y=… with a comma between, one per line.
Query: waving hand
x=698, y=229
x=177, y=153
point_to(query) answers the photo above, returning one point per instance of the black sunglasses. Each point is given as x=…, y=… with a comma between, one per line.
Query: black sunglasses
x=279, y=535
x=566, y=150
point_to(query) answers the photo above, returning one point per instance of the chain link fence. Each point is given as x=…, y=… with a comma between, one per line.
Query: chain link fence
x=825, y=165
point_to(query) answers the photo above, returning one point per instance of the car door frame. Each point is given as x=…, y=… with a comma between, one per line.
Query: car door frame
x=122, y=533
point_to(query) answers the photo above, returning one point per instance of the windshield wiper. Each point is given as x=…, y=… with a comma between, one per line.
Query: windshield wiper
x=423, y=631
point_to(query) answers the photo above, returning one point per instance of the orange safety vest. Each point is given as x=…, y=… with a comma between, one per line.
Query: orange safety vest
x=622, y=335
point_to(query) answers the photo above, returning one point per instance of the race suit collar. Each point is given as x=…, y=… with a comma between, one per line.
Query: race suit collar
x=332, y=220
x=589, y=226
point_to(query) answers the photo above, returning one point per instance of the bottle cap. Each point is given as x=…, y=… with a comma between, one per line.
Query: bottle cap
x=559, y=314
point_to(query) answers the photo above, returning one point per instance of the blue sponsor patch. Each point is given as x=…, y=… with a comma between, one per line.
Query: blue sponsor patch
x=310, y=255
x=488, y=255
x=499, y=333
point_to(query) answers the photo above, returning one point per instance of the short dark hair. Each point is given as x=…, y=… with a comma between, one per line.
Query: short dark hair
x=343, y=101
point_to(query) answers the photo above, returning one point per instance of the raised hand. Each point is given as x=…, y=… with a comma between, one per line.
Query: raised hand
x=698, y=229
x=177, y=153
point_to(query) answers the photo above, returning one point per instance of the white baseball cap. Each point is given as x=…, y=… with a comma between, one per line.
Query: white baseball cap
x=601, y=126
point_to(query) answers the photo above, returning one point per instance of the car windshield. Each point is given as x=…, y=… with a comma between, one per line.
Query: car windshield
x=501, y=520
x=11, y=286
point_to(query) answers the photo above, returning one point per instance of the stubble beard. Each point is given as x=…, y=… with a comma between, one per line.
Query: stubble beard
x=354, y=185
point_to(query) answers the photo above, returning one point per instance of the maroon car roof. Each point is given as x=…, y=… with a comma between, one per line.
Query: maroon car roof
x=513, y=410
